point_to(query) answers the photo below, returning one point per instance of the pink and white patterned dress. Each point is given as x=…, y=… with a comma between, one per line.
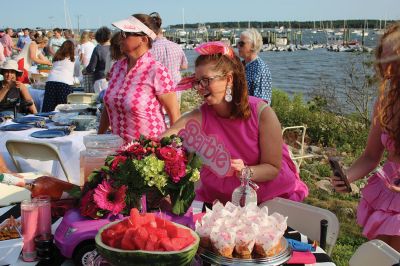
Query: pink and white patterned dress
x=131, y=98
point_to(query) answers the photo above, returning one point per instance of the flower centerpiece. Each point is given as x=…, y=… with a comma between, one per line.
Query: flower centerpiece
x=143, y=167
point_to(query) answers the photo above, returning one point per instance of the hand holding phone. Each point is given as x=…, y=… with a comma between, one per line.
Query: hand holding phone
x=338, y=171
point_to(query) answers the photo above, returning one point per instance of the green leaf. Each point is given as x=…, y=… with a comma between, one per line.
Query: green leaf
x=75, y=192
x=181, y=201
x=195, y=161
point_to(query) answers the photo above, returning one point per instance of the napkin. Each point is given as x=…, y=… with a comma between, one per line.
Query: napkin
x=302, y=258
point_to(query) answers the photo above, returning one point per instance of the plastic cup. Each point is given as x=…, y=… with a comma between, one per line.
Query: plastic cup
x=44, y=218
x=29, y=221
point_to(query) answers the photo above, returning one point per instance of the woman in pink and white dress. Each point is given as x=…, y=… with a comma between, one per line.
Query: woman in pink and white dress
x=139, y=85
x=379, y=209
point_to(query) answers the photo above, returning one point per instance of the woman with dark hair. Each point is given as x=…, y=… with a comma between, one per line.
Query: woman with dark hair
x=247, y=126
x=99, y=59
x=379, y=208
x=61, y=77
x=139, y=85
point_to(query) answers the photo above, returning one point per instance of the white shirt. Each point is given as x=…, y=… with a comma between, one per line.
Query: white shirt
x=62, y=71
x=86, y=49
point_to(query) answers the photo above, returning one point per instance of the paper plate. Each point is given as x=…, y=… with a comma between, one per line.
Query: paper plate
x=16, y=127
x=48, y=134
x=46, y=114
x=27, y=119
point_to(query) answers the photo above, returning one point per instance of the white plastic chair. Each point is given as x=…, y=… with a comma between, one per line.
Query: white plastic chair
x=80, y=97
x=298, y=158
x=373, y=253
x=306, y=219
x=34, y=150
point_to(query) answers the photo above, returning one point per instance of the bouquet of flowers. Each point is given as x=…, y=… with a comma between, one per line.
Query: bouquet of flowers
x=142, y=167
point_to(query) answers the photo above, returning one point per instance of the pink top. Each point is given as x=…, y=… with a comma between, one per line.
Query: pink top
x=241, y=138
x=171, y=55
x=131, y=98
x=7, y=42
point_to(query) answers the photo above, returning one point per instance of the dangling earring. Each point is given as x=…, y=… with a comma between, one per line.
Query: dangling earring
x=228, y=94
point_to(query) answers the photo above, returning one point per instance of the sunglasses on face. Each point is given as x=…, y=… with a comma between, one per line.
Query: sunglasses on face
x=241, y=43
x=126, y=34
x=204, y=82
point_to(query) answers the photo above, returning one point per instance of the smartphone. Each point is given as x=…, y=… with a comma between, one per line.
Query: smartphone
x=338, y=171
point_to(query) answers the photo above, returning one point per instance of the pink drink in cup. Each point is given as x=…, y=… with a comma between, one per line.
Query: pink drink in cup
x=29, y=221
x=44, y=217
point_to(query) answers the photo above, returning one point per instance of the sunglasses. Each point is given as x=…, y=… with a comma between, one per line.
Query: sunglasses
x=125, y=34
x=241, y=43
x=204, y=82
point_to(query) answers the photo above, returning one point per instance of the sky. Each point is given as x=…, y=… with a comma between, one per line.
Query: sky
x=95, y=13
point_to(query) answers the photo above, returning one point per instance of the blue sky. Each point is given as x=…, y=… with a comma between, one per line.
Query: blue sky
x=94, y=13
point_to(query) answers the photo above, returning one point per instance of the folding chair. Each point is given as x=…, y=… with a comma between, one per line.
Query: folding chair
x=375, y=252
x=80, y=97
x=306, y=219
x=299, y=158
x=34, y=150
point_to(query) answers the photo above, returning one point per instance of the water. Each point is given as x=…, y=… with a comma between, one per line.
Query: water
x=302, y=71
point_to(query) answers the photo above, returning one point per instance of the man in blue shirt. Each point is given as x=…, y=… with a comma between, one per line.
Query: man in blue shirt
x=24, y=39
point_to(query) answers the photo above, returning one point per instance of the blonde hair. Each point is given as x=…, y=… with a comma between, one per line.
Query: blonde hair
x=85, y=37
x=255, y=38
x=389, y=89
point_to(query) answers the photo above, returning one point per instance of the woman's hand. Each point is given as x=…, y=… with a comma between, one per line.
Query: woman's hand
x=395, y=186
x=338, y=184
x=236, y=167
x=19, y=85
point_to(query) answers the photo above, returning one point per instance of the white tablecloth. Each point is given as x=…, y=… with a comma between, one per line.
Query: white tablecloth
x=69, y=148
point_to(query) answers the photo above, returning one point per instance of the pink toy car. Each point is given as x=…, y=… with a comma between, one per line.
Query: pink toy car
x=75, y=235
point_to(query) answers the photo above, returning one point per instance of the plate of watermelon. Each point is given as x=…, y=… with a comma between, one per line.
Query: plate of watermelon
x=147, y=240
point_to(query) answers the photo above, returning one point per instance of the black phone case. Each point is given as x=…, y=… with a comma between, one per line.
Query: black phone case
x=338, y=171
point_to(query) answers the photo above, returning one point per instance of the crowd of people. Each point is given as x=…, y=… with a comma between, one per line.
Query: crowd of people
x=138, y=70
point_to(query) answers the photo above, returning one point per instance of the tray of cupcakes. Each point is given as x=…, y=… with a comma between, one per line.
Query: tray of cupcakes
x=232, y=235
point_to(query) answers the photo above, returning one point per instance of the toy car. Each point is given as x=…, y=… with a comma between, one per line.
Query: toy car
x=75, y=235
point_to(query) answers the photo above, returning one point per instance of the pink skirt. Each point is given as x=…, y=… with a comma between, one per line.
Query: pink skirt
x=379, y=209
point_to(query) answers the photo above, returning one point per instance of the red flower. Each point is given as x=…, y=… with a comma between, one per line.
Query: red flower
x=176, y=170
x=88, y=206
x=137, y=150
x=168, y=154
x=117, y=160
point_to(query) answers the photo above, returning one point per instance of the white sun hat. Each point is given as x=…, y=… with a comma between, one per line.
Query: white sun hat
x=132, y=24
x=10, y=65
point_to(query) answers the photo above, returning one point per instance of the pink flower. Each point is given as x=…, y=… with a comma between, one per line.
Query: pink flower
x=117, y=160
x=168, y=154
x=176, y=170
x=110, y=198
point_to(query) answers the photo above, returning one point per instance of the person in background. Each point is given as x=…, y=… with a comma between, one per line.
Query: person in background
x=24, y=39
x=46, y=50
x=2, y=57
x=99, y=58
x=247, y=127
x=379, y=208
x=139, y=85
x=170, y=54
x=92, y=36
x=12, y=90
x=8, y=43
x=85, y=48
x=56, y=42
x=61, y=77
x=258, y=74
x=32, y=53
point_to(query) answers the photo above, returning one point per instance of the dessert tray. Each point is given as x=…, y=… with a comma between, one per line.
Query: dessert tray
x=213, y=258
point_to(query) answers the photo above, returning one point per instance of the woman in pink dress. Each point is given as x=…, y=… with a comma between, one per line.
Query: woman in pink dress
x=379, y=209
x=139, y=86
x=247, y=126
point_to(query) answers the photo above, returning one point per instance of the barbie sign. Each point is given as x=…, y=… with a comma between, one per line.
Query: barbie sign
x=211, y=151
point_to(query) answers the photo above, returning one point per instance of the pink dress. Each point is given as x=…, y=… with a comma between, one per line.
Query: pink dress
x=379, y=208
x=241, y=138
x=131, y=98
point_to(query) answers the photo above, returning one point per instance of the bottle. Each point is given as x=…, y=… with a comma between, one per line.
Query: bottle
x=55, y=188
x=245, y=193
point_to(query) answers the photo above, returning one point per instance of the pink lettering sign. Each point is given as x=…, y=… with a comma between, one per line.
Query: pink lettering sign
x=212, y=152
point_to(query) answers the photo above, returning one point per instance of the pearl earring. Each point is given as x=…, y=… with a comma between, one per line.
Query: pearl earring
x=228, y=94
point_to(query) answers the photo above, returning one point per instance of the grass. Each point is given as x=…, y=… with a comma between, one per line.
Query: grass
x=295, y=112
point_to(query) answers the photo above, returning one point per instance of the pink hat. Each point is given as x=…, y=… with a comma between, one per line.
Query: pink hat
x=132, y=24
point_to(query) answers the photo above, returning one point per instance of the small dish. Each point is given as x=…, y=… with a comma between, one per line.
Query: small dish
x=27, y=119
x=16, y=127
x=48, y=134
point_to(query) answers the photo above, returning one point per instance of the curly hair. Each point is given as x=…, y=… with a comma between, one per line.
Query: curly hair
x=225, y=64
x=389, y=89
